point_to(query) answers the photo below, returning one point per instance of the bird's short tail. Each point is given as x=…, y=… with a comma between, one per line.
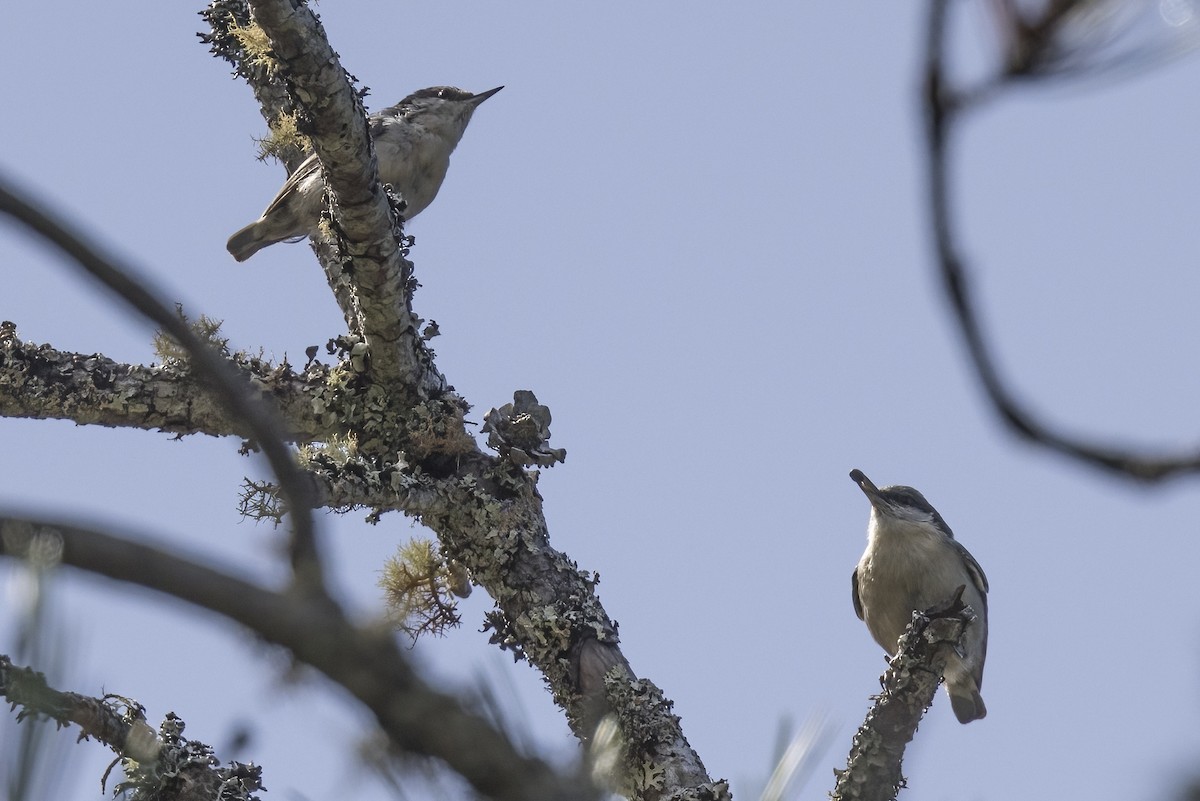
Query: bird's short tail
x=967, y=703
x=246, y=242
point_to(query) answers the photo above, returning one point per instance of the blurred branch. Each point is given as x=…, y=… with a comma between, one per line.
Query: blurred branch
x=1091, y=38
x=366, y=662
x=873, y=768
x=230, y=386
x=795, y=765
x=37, y=764
x=943, y=106
x=1032, y=38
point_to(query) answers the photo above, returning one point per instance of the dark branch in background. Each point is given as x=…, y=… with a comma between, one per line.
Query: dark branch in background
x=366, y=662
x=34, y=762
x=1080, y=39
x=230, y=386
x=873, y=768
x=944, y=106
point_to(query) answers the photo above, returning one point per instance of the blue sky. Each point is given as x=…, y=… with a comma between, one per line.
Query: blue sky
x=697, y=233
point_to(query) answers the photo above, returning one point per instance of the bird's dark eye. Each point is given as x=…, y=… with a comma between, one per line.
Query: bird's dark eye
x=911, y=499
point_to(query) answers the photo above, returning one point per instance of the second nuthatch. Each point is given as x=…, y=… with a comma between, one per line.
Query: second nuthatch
x=913, y=563
x=413, y=142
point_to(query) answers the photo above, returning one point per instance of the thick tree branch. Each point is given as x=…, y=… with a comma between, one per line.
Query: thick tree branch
x=366, y=662
x=943, y=107
x=40, y=382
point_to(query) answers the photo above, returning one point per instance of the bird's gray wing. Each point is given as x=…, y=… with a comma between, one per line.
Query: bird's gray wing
x=309, y=166
x=854, y=594
x=976, y=572
x=306, y=168
x=981, y=583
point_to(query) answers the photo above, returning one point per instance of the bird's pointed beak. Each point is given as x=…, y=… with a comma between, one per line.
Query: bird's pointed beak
x=482, y=96
x=865, y=484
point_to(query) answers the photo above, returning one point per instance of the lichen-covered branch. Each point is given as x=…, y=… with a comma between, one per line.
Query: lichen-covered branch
x=233, y=36
x=488, y=517
x=873, y=768
x=44, y=383
x=162, y=766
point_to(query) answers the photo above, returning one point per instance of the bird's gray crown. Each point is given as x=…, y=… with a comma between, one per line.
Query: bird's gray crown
x=442, y=92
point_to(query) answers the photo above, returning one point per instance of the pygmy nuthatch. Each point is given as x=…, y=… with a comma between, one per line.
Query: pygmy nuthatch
x=413, y=142
x=913, y=563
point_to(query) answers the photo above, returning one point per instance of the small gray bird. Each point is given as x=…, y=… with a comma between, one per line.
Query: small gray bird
x=913, y=563
x=413, y=143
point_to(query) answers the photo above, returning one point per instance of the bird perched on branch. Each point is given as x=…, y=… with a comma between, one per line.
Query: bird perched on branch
x=413, y=142
x=913, y=563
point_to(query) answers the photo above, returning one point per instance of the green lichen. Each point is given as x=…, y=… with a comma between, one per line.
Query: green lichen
x=284, y=140
x=206, y=329
x=420, y=587
x=255, y=46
